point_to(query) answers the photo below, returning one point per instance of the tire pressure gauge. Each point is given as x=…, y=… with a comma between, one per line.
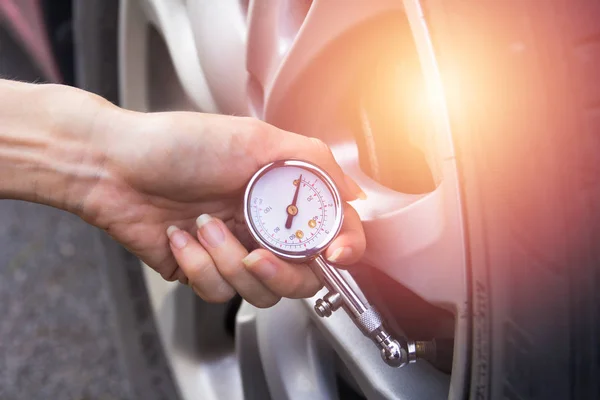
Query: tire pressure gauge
x=294, y=209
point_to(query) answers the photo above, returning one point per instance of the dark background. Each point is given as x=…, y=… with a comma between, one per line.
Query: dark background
x=56, y=332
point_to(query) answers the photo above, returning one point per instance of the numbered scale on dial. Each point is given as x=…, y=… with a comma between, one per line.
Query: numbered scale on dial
x=294, y=209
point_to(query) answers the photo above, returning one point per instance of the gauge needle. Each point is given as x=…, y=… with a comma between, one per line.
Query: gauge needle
x=292, y=210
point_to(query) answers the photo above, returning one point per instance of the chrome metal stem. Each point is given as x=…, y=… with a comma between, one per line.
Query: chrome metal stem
x=364, y=315
x=336, y=283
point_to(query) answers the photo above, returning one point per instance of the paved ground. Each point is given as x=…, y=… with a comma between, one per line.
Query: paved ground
x=56, y=330
x=56, y=335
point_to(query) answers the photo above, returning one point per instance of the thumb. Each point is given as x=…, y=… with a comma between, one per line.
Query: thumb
x=288, y=145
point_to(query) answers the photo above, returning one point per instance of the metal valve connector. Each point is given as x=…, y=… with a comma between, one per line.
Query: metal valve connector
x=393, y=354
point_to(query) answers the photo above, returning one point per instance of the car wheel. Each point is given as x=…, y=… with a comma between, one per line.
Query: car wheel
x=470, y=126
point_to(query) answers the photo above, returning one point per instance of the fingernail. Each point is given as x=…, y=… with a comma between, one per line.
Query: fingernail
x=358, y=192
x=177, y=237
x=210, y=230
x=340, y=254
x=259, y=266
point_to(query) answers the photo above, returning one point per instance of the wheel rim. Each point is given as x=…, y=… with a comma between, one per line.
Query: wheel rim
x=276, y=55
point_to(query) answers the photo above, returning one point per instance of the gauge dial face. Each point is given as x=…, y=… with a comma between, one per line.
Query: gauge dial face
x=293, y=208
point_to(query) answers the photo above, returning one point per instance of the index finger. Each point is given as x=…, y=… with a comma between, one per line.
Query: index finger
x=291, y=145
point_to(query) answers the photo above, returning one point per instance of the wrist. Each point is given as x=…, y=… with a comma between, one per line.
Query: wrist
x=50, y=152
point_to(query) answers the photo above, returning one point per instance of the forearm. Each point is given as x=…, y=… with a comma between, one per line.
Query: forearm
x=48, y=152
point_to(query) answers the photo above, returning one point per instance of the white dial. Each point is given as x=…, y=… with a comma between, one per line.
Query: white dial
x=293, y=208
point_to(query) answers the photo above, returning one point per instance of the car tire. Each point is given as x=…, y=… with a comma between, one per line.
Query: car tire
x=520, y=78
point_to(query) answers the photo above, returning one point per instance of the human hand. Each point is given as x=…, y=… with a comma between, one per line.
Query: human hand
x=185, y=173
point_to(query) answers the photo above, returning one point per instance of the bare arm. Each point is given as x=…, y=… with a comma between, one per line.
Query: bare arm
x=48, y=152
x=152, y=179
